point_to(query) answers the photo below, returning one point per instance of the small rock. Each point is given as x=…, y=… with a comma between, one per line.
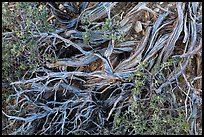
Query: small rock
x=138, y=26
x=61, y=7
x=156, y=9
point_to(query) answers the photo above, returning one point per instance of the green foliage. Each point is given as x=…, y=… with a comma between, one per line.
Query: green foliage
x=111, y=30
x=86, y=35
x=85, y=19
x=50, y=58
x=36, y=16
x=107, y=24
x=21, y=19
x=140, y=77
x=150, y=119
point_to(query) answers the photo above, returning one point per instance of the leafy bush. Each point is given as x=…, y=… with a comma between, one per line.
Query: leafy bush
x=19, y=21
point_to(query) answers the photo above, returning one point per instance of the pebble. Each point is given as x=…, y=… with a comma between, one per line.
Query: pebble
x=156, y=9
x=61, y=7
x=138, y=26
x=131, y=38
